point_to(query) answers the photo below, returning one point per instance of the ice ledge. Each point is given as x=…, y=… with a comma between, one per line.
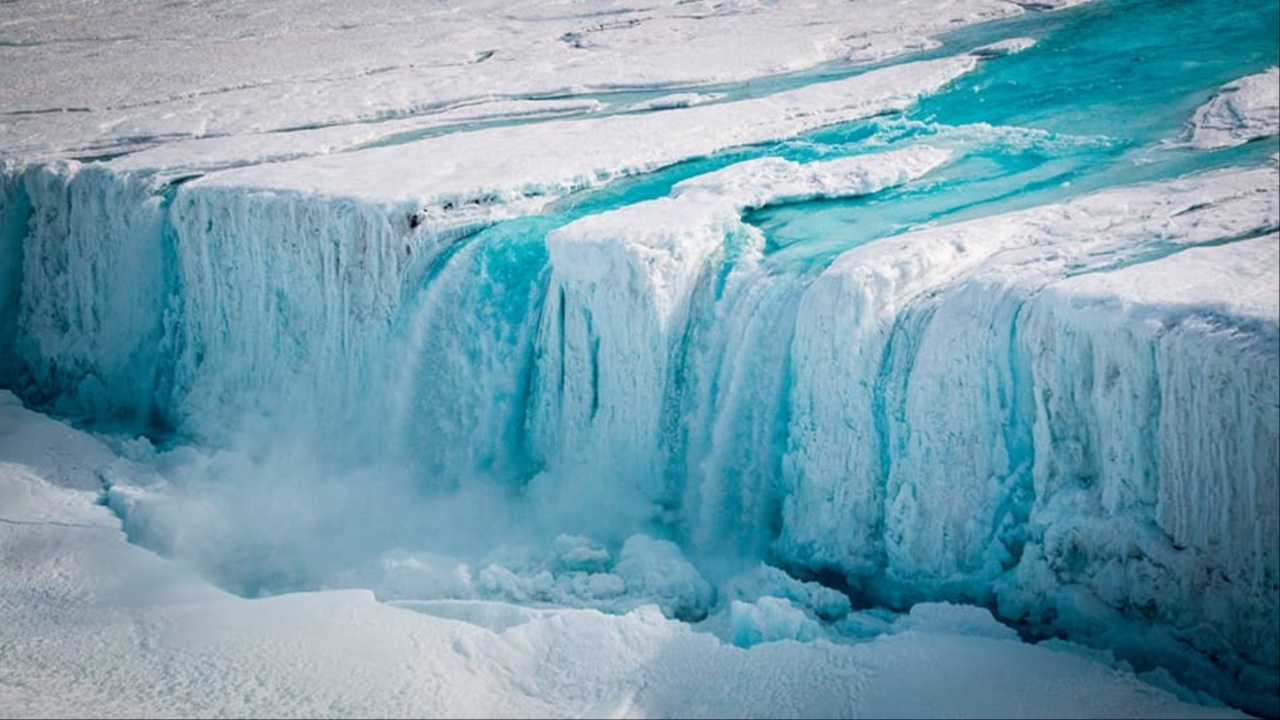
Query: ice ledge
x=535, y=162
x=1240, y=111
x=70, y=88
x=773, y=180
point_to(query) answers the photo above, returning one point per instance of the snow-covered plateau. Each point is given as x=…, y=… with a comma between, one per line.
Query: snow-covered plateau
x=553, y=358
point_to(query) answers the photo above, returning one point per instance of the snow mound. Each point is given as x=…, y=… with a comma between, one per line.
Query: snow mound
x=770, y=619
x=772, y=180
x=949, y=618
x=1240, y=111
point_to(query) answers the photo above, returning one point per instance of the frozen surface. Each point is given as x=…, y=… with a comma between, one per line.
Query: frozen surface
x=506, y=165
x=531, y=358
x=767, y=181
x=1240, y=111
x=89, y=78
x=119, y=632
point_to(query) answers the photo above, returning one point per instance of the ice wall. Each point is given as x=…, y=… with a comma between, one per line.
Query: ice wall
x=1001, y=439
x=288, y=301
x=135, y=309
x=611, y=346
x=15, y=212
x=267, y=296
x=1157, y=419
x=1004, y=411
x=86, y=267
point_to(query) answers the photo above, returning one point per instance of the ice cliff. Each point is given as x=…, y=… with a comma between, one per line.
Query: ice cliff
x=1067, y=413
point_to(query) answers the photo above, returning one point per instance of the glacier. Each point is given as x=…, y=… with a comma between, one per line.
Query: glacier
x=883, y=334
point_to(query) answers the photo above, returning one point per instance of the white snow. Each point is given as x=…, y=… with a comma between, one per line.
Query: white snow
x=96, y=626
x=1240, y=111
x=528, y=163
x=90, y=78
x=767, y=581
x=772, y=180
x=770, y=619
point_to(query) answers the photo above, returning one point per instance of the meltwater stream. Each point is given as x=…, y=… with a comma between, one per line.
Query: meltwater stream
x=871, y=357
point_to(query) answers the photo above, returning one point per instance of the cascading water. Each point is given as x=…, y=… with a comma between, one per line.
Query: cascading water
x=885, y=354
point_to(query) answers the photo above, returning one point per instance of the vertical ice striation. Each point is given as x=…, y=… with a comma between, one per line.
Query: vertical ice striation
x=655, y=314
x=901, y=405
x=958, y=413
x=1157, y=418
x=287, y=303
x=611, y=345
x=15, y=212
x=94, y=297
x=733, y=425
x=165, y=304
x=956, y=441
x=911, y=385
